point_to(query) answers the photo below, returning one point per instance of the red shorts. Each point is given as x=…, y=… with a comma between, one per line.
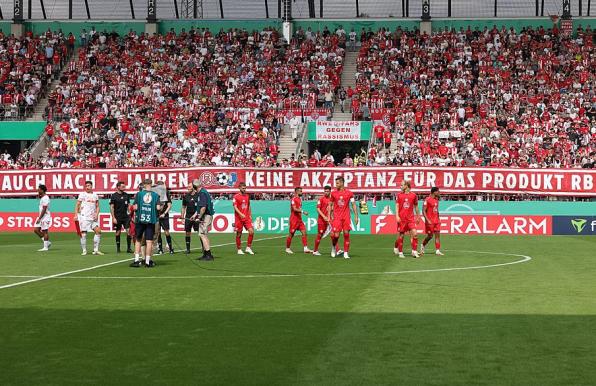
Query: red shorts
x=405, y=226
x=240, y=224
x=131, y=229
x=432, y=228
x=341, y=224
x=322, y=226
x=297, y=226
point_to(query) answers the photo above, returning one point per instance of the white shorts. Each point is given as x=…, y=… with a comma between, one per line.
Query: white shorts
x=44, y=223
x=87, y=225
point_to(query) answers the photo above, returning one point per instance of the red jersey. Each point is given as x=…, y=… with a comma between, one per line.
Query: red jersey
x=323, y=205
x=341, y=203
x=296, y=202
x=431, y=209
x=242, y=202
x=406, y=202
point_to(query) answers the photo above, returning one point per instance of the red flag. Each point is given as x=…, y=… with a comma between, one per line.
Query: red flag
x=374, y=201
x=78, y=228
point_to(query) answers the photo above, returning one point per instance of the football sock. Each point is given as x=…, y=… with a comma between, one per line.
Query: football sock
x=346, y=242
x=118, y=243
x=137, y=257
x=249, y=241
x=414, y=243
x=160, y=243
x=334, y=241
x=187, y=239
x=288, y=241
x=304, y=241
x=84, y=241
x=400, y=243
x=437, y=244
x=169, y=241
x=46, y=243
x=317, y=242
x=96, y=240
x=147, y=259
x=128, y=240
x=238, y=241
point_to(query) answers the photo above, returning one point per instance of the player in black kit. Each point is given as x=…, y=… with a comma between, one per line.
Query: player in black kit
x=119, y=203
x=189, y=208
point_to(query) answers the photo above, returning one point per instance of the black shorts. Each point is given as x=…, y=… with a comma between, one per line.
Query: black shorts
x=164, y=223
x=189, y=226
x=122, y=223
x=147, y=230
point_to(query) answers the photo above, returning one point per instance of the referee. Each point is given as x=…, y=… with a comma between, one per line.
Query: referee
x=189, y=208
x=205, y=216
x=120, y=218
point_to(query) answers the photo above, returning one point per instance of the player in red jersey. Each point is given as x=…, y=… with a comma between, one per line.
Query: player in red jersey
x=324, y=218
x=340, y=214
x=243, y=219
x=296, y=223
x=406, y=204
x=430, y=211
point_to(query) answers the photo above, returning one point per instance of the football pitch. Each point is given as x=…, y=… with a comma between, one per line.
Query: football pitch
x=493, y=311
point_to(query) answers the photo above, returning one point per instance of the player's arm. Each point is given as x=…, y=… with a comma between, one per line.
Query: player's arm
x=183, y=210
x=238, y=211
x=424, y=208
x=44, y=209
x=323, y=214
x=331, y=209
x=96, y=210
x=417, y=211
x=112, y=210
x=77, y=210
x=355, y=210
x=397, y=212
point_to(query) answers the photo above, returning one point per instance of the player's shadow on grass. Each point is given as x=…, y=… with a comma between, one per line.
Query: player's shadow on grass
x=46, y=346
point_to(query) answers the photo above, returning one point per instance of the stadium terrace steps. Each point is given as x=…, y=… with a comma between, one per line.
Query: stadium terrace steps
x=38, y=112
x=348, y=78
x=287, y=146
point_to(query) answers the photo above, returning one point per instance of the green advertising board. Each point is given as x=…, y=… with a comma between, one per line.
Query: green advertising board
x=339, y=131
x=272, y=217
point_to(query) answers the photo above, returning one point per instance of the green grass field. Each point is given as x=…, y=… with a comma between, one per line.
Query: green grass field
x=298, y=319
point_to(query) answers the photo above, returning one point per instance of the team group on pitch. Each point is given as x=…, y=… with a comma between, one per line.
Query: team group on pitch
x=148, y=216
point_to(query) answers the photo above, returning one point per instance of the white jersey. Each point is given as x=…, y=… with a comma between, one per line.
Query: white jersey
x=44, y=202
x=88, y=202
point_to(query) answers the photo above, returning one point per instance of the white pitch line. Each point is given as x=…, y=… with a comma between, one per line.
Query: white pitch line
x=59, y=275
x=273, y=275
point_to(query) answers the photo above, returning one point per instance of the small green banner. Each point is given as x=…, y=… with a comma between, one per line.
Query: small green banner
x=339, y=131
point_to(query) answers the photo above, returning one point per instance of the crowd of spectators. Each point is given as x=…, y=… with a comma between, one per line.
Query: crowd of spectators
x=495, y=97
x=193, y=98
x=27, y=66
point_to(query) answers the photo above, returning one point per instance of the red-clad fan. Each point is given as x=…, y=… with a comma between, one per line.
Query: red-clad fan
x=430, y=211
x=323, y=222
x=405, y=206
x=243, y=219
x=340, y=211
x=296, y=223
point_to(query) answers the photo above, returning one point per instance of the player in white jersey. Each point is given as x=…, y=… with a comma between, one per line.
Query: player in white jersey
x=44, y=220
x=86, y=214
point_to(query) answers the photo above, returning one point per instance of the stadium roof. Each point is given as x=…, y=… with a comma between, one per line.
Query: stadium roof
x=255, y=9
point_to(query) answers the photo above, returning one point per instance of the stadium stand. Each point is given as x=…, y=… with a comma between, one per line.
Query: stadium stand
x=469, y=98
x=27, y=67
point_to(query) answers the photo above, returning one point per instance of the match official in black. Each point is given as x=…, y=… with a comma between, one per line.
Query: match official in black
x=189, y=208
x=119, y=205
x=205, y=216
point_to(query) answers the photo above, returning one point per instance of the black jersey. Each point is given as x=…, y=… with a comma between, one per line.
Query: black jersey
x=190, y=202
x=120, y=203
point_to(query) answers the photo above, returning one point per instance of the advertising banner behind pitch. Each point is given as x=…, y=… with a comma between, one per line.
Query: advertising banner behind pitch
x=555, y=182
